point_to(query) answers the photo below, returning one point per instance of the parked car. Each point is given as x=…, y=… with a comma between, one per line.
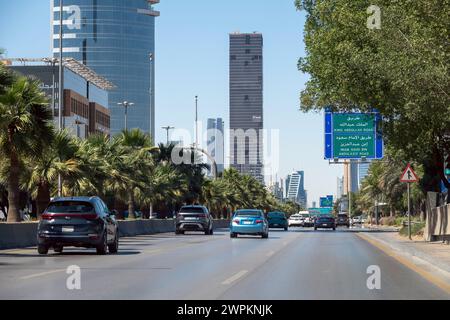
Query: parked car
x=295, y=221
x=343, y=220
x=80, y=222
x=249, y=222
x=325, y=222
x=357, y=220
x=194, y=218
x=277, y=220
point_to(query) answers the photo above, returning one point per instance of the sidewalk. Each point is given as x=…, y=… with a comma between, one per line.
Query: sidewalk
x=431, y=256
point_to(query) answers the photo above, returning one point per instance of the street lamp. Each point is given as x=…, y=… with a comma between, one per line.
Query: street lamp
x=167, y=128
x=196, y=120
x=126, y=104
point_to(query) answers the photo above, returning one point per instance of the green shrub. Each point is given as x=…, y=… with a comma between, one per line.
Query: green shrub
x=416, y=229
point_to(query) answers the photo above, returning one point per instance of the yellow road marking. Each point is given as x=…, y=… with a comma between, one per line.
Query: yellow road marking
x=409, y=264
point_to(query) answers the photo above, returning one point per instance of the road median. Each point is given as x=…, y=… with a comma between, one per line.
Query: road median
x=23, y=234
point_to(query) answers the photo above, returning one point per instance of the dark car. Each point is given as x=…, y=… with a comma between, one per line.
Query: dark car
x=78, y=222
x=277, y=220
x=325, y=222
x=343, y=220
x=194, y=218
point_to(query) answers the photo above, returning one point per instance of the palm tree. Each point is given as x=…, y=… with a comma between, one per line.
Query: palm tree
x=57, y=158
x=25, y=128
x=130, y=164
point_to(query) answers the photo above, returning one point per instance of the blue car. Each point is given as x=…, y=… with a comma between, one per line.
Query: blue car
x=249, y=222
x=277, y=220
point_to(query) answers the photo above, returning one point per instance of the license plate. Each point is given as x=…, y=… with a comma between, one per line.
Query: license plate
x=324, y=224
x=190, y=218
x=247, y=222
x=67, y=229
x=276, y=224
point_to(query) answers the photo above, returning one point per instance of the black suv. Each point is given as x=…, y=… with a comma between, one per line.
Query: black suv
x=79, y=222
x=342, y=220
x=194, y=218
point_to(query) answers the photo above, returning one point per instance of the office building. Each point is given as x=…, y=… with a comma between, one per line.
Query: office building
x=295, y=188
x=85, y=95
x=246, y=103
x=351, y=177
x=363, y=171
x=215, y=143
x=340, y=187
x=116, y=39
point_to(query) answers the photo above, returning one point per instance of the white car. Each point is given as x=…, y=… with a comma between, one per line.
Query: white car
x=295, y=221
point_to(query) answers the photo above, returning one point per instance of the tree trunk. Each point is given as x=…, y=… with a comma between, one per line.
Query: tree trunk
x=131, y=214
x=42, y=198
x=13, y=189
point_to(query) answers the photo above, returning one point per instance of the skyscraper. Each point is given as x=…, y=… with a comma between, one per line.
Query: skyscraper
x=295, y=188
x=115, y=38
x=363, y=171
x=246, y=103
x=215, y=143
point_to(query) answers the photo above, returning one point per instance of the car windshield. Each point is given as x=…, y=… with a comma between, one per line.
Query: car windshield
x=245, y=213
x=191, y=210
x=70, y=207
x=342, y=216
x=305, y=215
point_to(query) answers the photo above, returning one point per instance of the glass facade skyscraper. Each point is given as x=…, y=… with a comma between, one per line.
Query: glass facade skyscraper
x=115, y=38
x=246, y=103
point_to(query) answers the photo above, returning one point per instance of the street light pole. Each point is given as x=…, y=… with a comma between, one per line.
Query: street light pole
x=167, y=128
x=60, y=82
x=196, y=120
x=152, y=107
x=126, y=104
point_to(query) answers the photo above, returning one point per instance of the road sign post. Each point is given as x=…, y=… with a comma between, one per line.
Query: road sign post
x=409, y=176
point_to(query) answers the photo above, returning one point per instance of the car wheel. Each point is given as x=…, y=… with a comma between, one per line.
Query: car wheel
x=212, y=231
x=114, y=247
x=102, y=248
x=42, y=249
x=265, y=235
x=58, y=249
x=233, y=235
x=315, y=228
x=286, y=229
x=334, y=229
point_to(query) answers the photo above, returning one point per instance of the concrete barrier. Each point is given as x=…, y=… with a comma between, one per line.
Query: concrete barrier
x=23, y=234
x=437, y=225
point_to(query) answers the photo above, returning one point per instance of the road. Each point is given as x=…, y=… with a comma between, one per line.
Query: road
x=298, y=264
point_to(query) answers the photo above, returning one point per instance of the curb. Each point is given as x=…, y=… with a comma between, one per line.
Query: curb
x=419, y=263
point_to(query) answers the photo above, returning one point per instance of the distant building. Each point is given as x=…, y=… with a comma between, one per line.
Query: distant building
x=351, y=177
x=340, y=187
x=115, y=38
x=246, y=103
x=85, y=96
x=277, y=190
x=363, y=171
x=215, y=143
x=314, y=204
x=295, y=188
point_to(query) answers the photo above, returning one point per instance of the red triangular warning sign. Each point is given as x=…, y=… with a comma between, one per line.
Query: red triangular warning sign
x=409, y=175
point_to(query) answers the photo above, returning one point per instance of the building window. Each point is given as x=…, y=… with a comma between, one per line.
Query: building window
x=247, y=39
x=247, y=51
x=246, y=98
x=246, y=63
x=233, y=57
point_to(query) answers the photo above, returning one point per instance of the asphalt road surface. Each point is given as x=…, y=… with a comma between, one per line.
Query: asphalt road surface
x=298, y=264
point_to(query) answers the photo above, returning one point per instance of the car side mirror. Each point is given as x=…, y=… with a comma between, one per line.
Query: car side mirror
x=114, y=213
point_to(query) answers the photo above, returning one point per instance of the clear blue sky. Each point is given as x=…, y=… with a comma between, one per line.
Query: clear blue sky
x=192, y=58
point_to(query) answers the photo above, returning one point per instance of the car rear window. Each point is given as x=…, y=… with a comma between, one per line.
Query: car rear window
x=191, y=210
x=305, y=215
x=275, y=215
x=248, y=214
x=342, y=216
x=70, y=207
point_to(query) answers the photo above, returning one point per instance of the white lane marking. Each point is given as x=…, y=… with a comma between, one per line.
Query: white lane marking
x=36, y=275
x=237, y=276
x=270, y=253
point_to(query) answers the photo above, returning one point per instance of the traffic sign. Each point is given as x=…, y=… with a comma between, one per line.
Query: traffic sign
x=409, y=175
x=353, y=135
